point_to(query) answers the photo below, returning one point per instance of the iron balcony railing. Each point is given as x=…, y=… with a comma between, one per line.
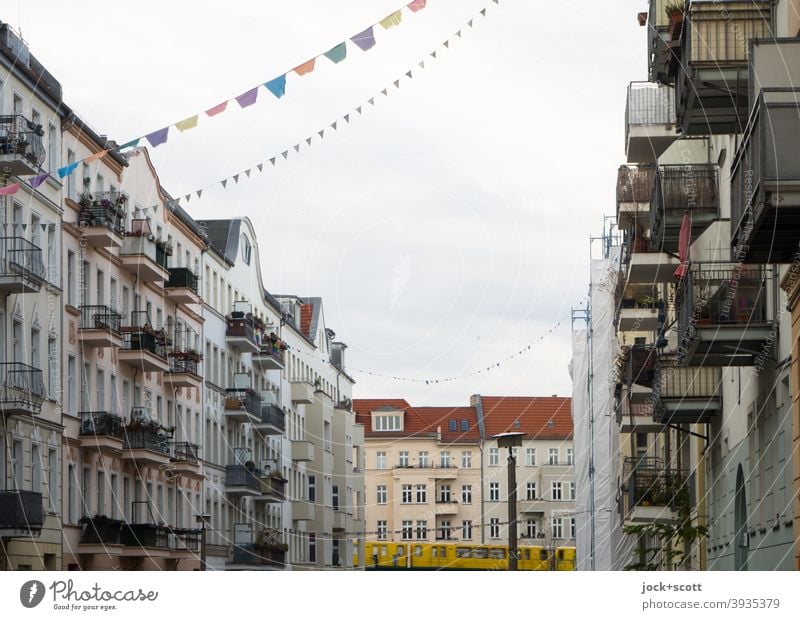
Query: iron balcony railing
x=273, y=415
x=100, y=317
x=21, y=258
x=145, y=535
x=243, y=398
x=628, y=411
x=637, y=364
x=185, y=452
x=183, y=277
x=677, y=382
x=256, y=554
x=144, y=341
x=101, y=423
x=183, y=365
x=241, y=327
x=104, y=209
x=146, y=435
x=21, y=510
x=271, y=485
x=271, y=349
x=242, y=476
x=20, y=136
x=21, y=384
x=101, y=530
x=691, y=189
x=647, y=482
x=162, y=255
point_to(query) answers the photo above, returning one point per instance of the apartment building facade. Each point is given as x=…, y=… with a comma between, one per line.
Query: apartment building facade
x=701, y=386
x=31, y=111
x=437, y=473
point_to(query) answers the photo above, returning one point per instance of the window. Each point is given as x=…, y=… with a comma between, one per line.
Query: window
x=85, y=487
x=494, y=456
x=552, y=456
x=494, y=491
x=570, y=456
x=72, y=515
x=71, y=280
x=407, y=495
x=52, y=479
x=555, y=528
x=444, y=458
x=530, y=491
x=34, y=344
x=464, y=426
x=423, y=459
x=494, y=527
x=53, y=366
x=101, y=494
x=571, y=522
x=570, y=490
x=403, y=459
x=466, y=530
x=422, y=494
x=407, y=529
x=452, y=425
x=246, y=249
x=381, y=493
x=422, y=530
x=530, y=456
x=466, y=459
x=555, y=491
x=312, y=489
x=381, y=529
x=335, y=496
x=380, y=460
x=444, y=530
x=71, y=187
x=444, y=493
x=466, y=493
x=36, y=469
x=386, y=423
x=52, y=147
x=530, y=528
x=312, y=547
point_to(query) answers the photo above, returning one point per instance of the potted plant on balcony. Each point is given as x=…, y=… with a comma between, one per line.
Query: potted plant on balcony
x=674, y=12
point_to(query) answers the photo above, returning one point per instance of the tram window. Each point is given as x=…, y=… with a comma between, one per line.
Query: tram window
x=443, y=551
x=401, y=549
x=418, y=551
x=480, y=553
x=497, y=554
x=463, y=552
x=527, y=554
x=543, y=555
x=383, y=549
x=435, y=552
x=560, y=554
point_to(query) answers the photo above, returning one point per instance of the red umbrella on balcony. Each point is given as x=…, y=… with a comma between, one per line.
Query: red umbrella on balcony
x=684, y=240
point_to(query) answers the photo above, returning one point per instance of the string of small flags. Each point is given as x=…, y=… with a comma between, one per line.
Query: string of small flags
x=431, y=381
x=339, y=122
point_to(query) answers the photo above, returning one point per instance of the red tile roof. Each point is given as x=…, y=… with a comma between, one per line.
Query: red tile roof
x=306, y=310
x=539, y=416
x=420, y=421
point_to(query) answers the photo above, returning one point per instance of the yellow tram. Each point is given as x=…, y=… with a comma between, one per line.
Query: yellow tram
x=458, y=556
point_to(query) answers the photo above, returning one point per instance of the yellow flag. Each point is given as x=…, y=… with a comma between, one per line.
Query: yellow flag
x=392, y=20
x=187, y=123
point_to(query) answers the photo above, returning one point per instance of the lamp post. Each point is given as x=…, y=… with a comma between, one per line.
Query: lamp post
x=511, y=441
x=202, y=519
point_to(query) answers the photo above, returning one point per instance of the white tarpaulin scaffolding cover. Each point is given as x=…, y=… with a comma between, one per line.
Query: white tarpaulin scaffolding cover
x=601, y=544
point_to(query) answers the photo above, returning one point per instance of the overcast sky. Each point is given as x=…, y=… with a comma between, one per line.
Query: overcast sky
x=445, y=228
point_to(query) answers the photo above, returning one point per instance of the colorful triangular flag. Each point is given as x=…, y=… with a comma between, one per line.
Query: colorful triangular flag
x=247, y=99
x=390, y=21
x=187, y=123
x=417, y=5
x=337, y=53
x=158, y=138
x=277, y=86
x=217, y=109
x=365, y=39
x=306, y=67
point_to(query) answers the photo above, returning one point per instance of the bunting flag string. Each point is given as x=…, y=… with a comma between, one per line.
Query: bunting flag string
x=436, y=380
x=365, y=40
x=186, y=197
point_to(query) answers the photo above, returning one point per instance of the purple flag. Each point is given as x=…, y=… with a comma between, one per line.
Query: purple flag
x=365, y=40
x=38, y=180
x=157, y=137
x=248, y=98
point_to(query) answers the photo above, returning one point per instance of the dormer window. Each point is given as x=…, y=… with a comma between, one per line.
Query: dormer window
x=247, y=249
x=387, y=422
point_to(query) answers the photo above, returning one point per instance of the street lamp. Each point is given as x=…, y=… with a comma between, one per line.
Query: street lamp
x=202, y=519
x=511, y=441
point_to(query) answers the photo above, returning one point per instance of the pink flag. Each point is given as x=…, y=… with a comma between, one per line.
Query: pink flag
x=217, y=109
x=684, y=240
x=417, y=5
x=8, y=190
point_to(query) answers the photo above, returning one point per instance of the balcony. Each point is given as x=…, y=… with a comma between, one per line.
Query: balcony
x=21, y=266
x=686, y=395
x=678, y=190
x=711, y=86
x=102, y=218
x=270, y=354
x=765, y=182
x=101, y=430
x=21, y=514
x=634, y=189
x=302, y=392
x=272, y=420
x=661, y=39
x=143, y=346
x=182, y=287
x=652, y=493
x=303, y=510
x=242, y=405
x=183, y=370
x=100, y=531
x=145, y=535
x=273, y=488
x=636, y=364
x=649, y=121
x=646, y=264
x=269, y=553
x=243, y=332
x=724, y=315
x=445, y=507
x=185, y=458
x=21, y=148
x=640, y=315
x=302, y=451
x=339, y=520
x=633, y=417
x=21, y=389
x=142, y=256
x=100, y=327
x=242, y=481
x=532, y=506
x=145, y=440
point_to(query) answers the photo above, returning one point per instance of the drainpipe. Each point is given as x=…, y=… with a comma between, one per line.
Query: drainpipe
x=482, y=431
